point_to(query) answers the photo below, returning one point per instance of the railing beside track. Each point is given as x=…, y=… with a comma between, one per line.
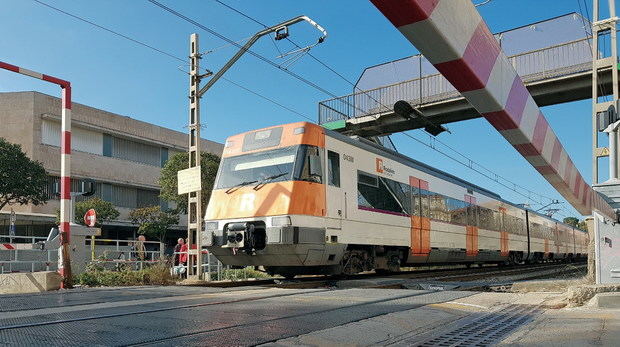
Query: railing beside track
x=559, y=60
x=119, y=252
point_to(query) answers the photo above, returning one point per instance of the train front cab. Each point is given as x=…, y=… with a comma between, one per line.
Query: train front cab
x=268, y=204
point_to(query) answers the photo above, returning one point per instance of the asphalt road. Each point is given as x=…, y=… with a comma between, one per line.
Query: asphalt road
x=194, y=315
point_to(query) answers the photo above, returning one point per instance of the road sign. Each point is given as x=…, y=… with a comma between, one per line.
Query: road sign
x=90, y=218
x=12, y=223
x=189, y=180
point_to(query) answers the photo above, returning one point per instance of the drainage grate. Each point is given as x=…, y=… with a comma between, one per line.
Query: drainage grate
x=486, y=330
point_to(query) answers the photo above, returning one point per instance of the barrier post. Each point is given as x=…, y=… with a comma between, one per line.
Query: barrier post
x=92, y=247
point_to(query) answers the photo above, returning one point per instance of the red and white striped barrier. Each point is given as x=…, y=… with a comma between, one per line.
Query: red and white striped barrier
x=6, y=246
x=15, y=246
x=454, y=38
x=65, y=162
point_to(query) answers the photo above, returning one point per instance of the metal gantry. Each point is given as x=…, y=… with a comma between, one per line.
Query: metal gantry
x=602, y=27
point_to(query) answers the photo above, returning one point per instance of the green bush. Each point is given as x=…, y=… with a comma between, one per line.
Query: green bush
x=238, y=274
x=95, y=275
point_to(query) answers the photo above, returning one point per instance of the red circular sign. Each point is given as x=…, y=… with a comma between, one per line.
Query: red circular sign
x=90, y=218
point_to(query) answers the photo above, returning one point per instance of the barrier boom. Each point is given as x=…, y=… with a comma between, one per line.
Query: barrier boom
x=64, y=266
x=453, y=37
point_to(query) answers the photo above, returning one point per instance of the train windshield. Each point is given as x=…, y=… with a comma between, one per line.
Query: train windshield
x=300, y=163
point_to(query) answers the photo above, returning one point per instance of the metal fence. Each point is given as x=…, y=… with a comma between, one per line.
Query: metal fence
x=117, y=253
x=538, y=65
x=23, y=254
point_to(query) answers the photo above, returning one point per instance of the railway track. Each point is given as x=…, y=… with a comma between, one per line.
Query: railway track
x=451, y=274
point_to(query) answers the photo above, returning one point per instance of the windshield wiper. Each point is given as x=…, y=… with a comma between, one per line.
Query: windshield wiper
x=266, y=179
x=233, y=188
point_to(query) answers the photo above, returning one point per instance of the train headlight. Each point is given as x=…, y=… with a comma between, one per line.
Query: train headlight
x=282, y=221
x=211, y=226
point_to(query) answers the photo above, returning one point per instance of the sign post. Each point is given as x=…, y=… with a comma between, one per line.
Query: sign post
x=12, y=224
x=90, y=218
x=189, y=180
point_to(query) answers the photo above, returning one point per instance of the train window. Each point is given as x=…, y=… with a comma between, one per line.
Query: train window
x=472, y=215
x=400, y=191
x=535, y=230
x=367, y=179
x=438, y=209
x=457, y=211
x=382, y=196
x=305, y=167
x=487, y=219
x=425, y=203
x=333, y=169
x=415, y=201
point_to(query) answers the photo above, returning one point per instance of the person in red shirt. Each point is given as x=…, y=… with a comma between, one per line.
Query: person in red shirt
x=183, y=250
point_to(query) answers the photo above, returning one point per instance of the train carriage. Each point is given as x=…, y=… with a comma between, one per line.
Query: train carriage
x=298, y=199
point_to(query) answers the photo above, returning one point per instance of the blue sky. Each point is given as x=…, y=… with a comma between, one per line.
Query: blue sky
x=116, y=75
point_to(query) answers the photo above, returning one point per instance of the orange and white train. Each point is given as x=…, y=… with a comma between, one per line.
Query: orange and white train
x=300, y=199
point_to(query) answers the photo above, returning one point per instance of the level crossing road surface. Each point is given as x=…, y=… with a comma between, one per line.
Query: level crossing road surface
x=172, y=316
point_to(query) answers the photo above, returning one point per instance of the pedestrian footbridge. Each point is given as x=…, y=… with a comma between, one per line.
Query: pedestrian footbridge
x=553, y=58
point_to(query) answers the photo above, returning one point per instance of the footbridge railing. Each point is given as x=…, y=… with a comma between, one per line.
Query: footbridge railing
x=537, y=66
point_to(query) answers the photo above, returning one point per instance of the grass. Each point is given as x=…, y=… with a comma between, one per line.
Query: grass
x=238, y=274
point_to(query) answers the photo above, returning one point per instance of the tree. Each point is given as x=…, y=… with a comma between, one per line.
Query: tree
x=572, y=221
x=104, y=209
x=583, y=225
x=153, y=221
x=22, y=180
x=168, y=179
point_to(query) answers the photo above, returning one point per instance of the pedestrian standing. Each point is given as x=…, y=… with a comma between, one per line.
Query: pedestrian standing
x=177, y=251
x=183, y=253
x=141, y=248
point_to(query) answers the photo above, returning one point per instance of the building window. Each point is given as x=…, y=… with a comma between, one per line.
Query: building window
x=333, y=169
x=164, y=156
x=81, y=139
x=107, y=145
x=147, y=198
x=136, y=151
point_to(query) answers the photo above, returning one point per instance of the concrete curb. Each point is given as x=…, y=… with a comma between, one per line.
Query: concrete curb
x=29, y=282
x=606, y=300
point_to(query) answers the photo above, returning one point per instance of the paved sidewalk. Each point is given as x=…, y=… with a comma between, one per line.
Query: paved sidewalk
x=484, y=318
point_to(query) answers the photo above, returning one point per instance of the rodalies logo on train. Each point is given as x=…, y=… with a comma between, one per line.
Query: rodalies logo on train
x=382, y=168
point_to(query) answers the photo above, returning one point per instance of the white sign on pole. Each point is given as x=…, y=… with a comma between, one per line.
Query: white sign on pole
x=189, y=180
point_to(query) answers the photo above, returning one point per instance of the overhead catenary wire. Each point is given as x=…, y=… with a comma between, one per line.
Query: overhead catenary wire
x=259, y=56
x=170, y=55
x=484, y=171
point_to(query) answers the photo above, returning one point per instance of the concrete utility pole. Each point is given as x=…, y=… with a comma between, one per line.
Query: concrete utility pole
x=194, y=200
x=64, y=258
x=194, y=206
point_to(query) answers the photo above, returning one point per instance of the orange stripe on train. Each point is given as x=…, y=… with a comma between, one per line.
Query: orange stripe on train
x=292, y=197
x=471, y=233
x=420, y=226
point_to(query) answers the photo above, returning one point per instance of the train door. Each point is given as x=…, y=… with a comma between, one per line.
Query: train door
x=335, y=195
